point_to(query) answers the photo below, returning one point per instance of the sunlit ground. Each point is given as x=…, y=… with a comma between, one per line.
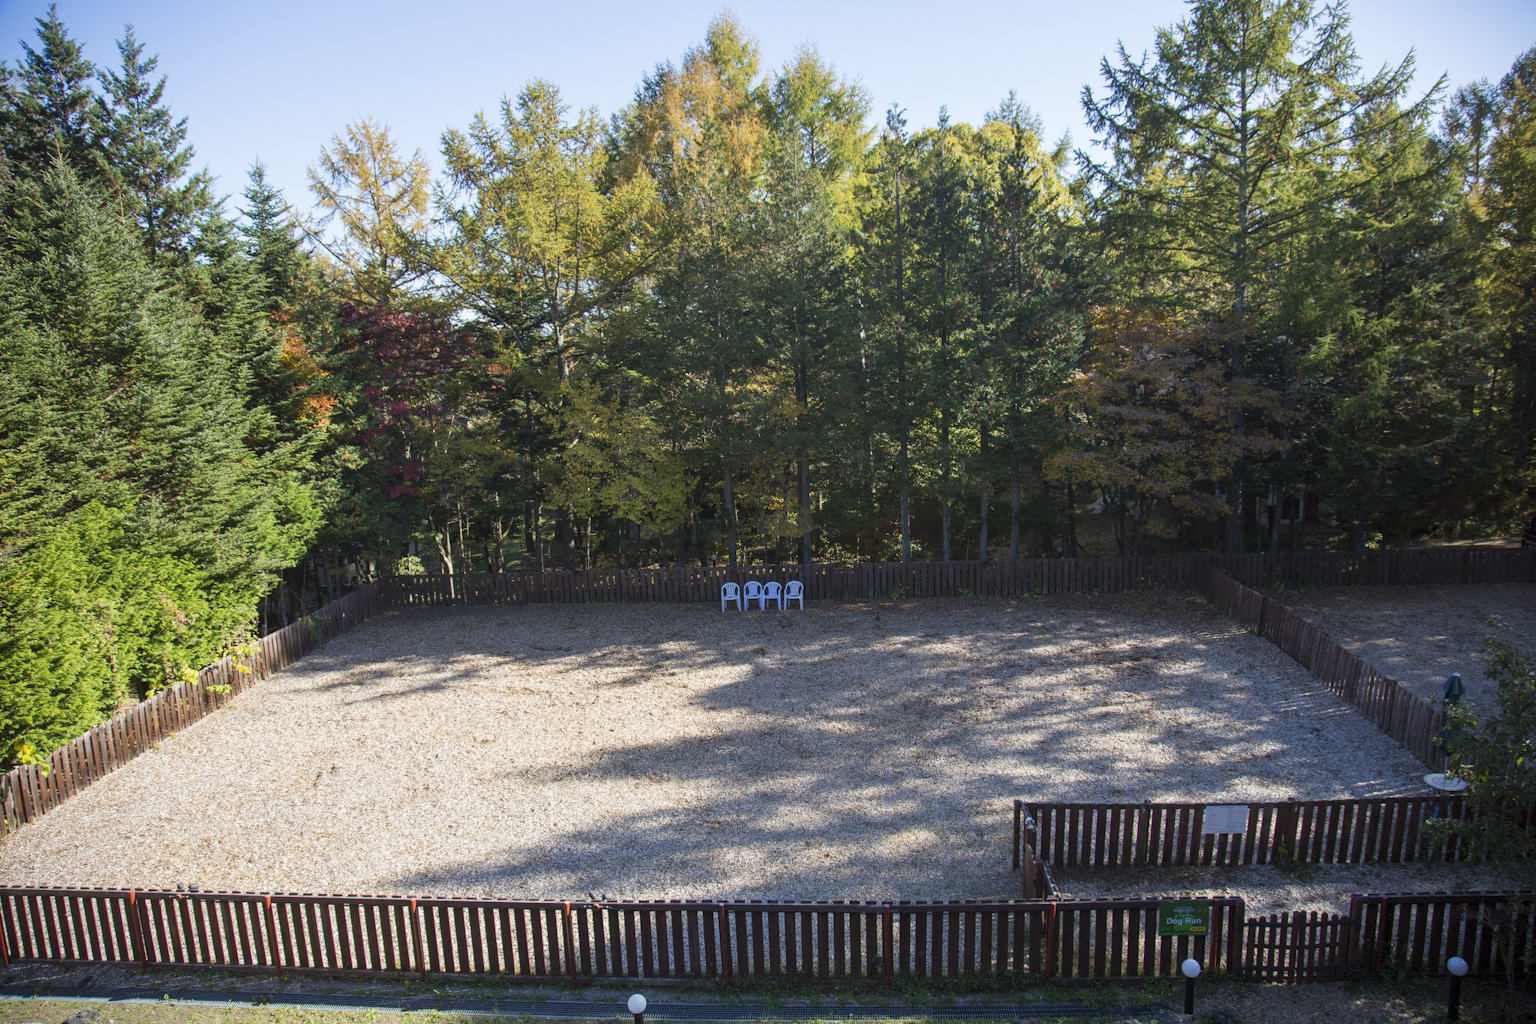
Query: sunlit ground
x=859, y=751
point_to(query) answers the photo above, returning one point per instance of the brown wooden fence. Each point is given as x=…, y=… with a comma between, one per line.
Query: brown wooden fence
x=1382, y=830
x=1418, y=933
x=998, y=578
x=874, y=941
x=1297, y=946
x=865, y=581
x=28, y=791
x=1379, y=568
x=1034, y=870
x=1392, y=707
x=853, y=941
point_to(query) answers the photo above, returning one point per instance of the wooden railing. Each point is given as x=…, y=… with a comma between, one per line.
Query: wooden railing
x=1034, y=870
x=1297, y=946
x=997, y=578
x=693, y=939
x=1382, y=830
x=1417, y=933
x=1090, y=939
x=1393, y=708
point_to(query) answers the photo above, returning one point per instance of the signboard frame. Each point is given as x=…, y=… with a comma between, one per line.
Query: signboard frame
x=1184, y=917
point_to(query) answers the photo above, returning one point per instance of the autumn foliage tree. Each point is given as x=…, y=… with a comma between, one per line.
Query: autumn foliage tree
x=1150, y=426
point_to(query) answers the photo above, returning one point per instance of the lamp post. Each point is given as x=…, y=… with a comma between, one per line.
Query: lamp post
x=1458, y=968
x=1446, y=781
x=637, y=1007
x=1191, y=970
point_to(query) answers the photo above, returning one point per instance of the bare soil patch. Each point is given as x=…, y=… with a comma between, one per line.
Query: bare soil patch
x=853, y=751
x=1421, y=634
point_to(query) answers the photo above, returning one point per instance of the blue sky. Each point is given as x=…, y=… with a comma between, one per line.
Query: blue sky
x=274, y=80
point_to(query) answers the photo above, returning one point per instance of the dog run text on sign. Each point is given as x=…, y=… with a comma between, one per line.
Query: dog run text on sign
x=1184, y=917
x=1225, y=818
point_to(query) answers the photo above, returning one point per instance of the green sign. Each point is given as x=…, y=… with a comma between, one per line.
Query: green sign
x=1184, y=917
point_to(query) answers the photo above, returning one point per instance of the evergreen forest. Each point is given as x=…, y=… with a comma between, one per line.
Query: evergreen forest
x=1284, y=303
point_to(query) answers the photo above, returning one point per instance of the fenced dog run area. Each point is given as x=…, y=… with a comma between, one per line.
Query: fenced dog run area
x=867, y=940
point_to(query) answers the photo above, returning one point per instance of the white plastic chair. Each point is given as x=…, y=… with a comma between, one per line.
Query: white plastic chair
x=752, y=592
x=772, y=592
x=794, y=590
x=730, y=592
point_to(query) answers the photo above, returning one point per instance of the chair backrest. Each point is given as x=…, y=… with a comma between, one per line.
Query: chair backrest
x=771, y=589
x=753, y=588
x=730, y=591
x=794, y=588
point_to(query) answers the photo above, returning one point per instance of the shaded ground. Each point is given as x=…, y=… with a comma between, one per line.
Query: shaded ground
x=661, y=751
x=1421, y=634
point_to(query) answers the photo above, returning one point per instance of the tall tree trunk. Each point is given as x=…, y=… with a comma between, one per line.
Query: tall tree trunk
x=1013, y=519
x=730, y=514
x=805, y=507
x=529, y=538
x=906, y=500
x=1299, y=519
x=538, y=535
x=1234, y=522
x=444, y=541
x=944, y=470
x=466, y=561
x=986, y=495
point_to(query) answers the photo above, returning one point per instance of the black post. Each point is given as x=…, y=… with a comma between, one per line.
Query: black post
x=1453, y=1006
x=1189, y=996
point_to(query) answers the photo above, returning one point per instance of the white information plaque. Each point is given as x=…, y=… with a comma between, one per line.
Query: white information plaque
x=1224, y=818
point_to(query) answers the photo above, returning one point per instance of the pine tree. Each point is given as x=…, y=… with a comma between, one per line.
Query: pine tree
x=1510, y=265
x=50, y=113
x=942, y=300
x=895, y=367
x=271, y=240
x=1032, y=285
x=145, y=155
x=1230, y=158
x=803, y=311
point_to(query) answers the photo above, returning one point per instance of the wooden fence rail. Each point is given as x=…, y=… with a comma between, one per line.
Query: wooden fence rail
x=1382, y=830
x=1418, y=933
x=871, y=941
x=679, y=939
x=998, y=578
x=1297, y=947
x=1392, y=707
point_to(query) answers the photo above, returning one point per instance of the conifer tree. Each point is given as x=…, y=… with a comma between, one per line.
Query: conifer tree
x=271, y=240
x=1510, y=264
x=1230, y=155
x=49, y=111
x=884, y=259
x=146, y=156
x=1031, y=286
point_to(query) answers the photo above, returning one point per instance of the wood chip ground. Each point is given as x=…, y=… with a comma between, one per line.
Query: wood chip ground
x=848, y=751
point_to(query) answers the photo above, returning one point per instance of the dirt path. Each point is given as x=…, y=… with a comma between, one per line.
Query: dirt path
x=645, y=751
